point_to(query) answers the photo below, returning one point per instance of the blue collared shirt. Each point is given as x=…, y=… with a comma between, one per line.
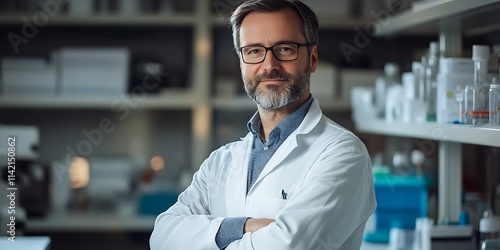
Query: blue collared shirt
x=231, y=228
x=262, y=151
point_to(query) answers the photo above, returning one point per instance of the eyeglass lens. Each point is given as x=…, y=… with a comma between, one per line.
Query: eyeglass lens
x=283, y=52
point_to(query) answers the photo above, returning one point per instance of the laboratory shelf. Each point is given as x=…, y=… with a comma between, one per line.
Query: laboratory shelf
x=325, y=22
x=104, y=20
x=472, y=17
x=242, y=102
x=68, y=222
x=449, y=138
x=479, y=135
x=177, y=100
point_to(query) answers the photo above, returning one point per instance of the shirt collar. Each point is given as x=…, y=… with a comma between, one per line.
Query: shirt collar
x=285, y=126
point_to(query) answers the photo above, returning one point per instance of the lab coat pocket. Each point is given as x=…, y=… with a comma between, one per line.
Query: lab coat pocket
x=271, y=207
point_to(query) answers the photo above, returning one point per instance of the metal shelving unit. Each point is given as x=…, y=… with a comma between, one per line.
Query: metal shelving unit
x=450, y=19
x=449, y=137
x=325, y=22
x=170, y=100
x=469, y=16
x=455, y=133
x=177, y=20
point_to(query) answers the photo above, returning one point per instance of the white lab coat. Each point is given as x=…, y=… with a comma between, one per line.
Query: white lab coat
x=325, y=171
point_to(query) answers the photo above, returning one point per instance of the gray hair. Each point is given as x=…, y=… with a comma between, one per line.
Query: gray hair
x=309, y=19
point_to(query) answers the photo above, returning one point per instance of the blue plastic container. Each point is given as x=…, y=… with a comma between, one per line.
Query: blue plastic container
x=400, y=200
x=156, y=203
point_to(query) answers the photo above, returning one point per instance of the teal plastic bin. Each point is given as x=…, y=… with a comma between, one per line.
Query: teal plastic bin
x=156, y=203
x=400, y=201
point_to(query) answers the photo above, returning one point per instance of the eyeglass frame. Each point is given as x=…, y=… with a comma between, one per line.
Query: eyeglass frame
x=307, y=45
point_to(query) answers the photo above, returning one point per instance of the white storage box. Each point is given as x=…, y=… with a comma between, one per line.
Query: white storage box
x=324, y=82
x=351, y=78
x=94, y=71
x=454, y=74
x=27, y=139
x=28, y=76
x=456, y=65
x=448, y=86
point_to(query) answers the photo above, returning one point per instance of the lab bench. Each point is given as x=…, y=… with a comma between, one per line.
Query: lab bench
x=98, y=230
x=77, y=222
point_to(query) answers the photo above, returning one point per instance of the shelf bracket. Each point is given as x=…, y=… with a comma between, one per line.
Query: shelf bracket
x=450, y=182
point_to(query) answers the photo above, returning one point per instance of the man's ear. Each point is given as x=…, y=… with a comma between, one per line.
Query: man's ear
x=313, y=59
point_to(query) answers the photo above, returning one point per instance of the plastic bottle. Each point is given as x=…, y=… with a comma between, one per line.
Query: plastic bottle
x=476, y=94
x=461, y=106
x=382, y=84
x=416, y=69
x=494, y=107
x=421, y=83
x=419, y=106
x=489, y=228
x=399, y=238
x=431, y=72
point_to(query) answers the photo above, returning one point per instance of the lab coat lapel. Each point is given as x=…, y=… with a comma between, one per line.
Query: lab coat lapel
x=311, y=119
x=286, y=148
x=237, y=180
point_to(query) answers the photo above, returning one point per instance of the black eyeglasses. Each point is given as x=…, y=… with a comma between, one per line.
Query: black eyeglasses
x=254, y=54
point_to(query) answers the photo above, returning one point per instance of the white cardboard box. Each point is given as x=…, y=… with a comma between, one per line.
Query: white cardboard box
x=28, y=76
x=350, y=78
x=447, y=88
x=324, y=82
x=94, y=71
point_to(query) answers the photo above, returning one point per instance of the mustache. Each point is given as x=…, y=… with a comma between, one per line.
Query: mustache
x=273, y=75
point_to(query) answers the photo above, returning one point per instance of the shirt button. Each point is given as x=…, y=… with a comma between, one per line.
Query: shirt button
x=266, y=147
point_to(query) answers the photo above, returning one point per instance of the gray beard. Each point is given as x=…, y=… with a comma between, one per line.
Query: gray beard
x=273, y=99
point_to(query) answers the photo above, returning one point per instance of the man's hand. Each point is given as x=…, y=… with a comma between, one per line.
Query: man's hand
x=252, y=225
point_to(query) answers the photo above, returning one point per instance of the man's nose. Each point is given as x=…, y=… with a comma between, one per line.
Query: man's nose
x=270, y=63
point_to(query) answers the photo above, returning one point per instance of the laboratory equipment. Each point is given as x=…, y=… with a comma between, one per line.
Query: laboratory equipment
x=454, y=75
x=489, y=227
x=431, y=72
x=476, y=94
x=494, y=107
x=382, y=85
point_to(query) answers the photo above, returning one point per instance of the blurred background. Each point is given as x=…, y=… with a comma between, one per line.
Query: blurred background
x=116, y=103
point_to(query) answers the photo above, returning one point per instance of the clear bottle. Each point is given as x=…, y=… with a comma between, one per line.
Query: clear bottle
x=421, y=83
x=382, y=85
x=431, y=73
x=461, y=106
x=494, y=107
x=476, y=94
x=416, y=69
x=489, y=227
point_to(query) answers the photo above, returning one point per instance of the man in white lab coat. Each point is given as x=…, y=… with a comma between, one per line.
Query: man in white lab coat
x=297, y=180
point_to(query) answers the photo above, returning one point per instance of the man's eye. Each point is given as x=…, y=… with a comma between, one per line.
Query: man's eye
x=254, y=51
x=286, y=49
